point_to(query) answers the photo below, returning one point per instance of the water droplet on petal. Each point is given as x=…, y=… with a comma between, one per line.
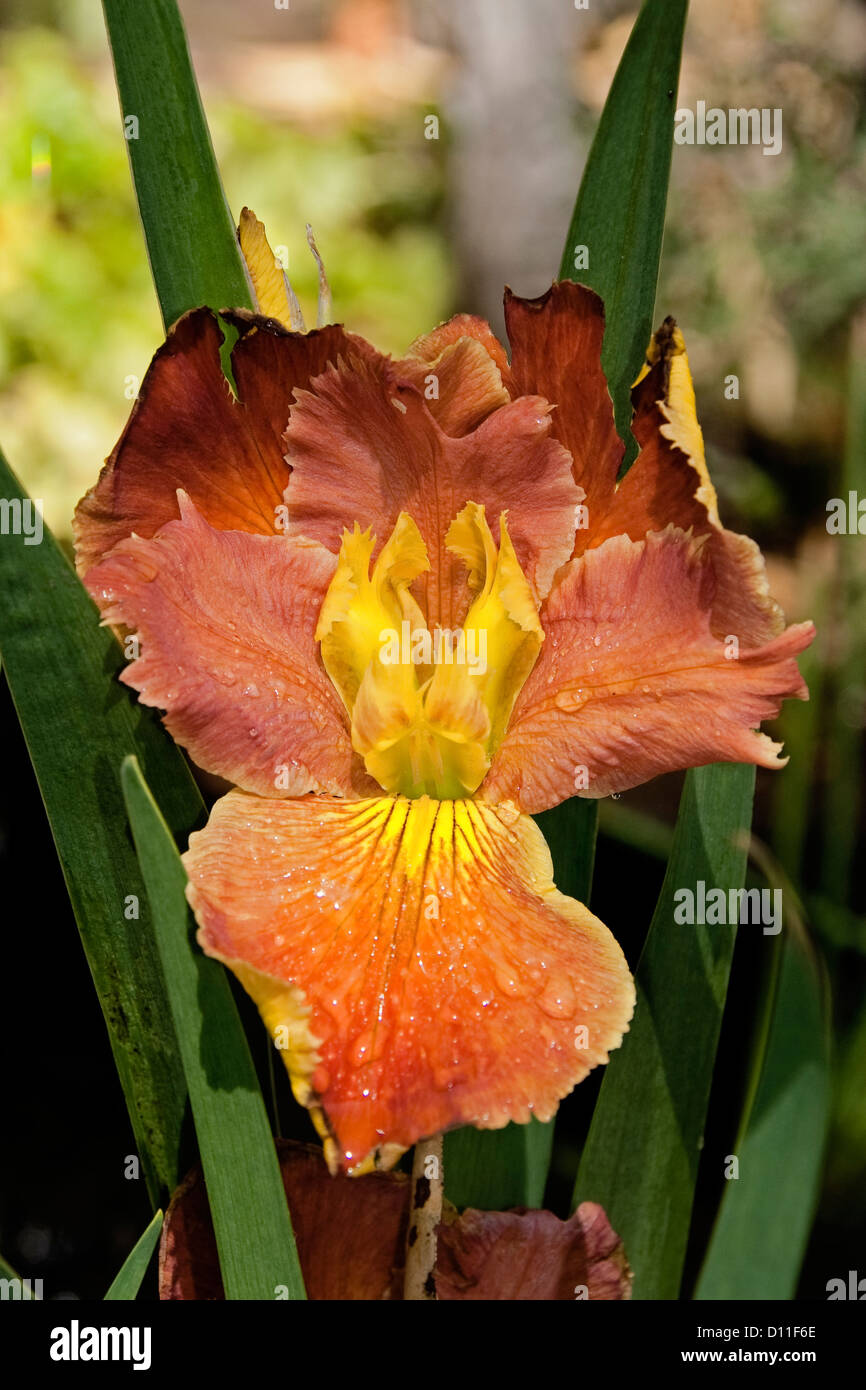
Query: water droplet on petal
x=509, y=983
x=557, y=999
x=224, y=676
x=368, y=1046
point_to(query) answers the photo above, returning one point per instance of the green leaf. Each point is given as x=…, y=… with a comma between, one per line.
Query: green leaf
x=620, y=209
x=641, y=1156
x=79, y=725
x=760, y=1236
x=191, y=239
x=128, y=1279
x=619, y=217
x=245, y=1191
x=494, y=1169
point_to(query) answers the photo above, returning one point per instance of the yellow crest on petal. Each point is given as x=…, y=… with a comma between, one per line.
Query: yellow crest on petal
x=428, y=708
x=679, y=407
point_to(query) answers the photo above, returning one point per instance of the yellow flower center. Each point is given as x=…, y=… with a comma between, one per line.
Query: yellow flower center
x=428, y=708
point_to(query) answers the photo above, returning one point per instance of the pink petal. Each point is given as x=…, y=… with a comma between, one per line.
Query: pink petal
x=631, y=682
x=470, y=372
x=226, y=622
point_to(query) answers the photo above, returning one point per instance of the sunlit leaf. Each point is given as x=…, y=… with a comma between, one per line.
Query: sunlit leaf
x=620, y=210
x=190, y=234
x=256, y=1247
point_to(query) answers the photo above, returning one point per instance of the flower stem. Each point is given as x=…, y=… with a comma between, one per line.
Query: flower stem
x=424, y=1218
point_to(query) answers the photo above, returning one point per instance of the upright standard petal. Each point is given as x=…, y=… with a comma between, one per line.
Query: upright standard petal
x=556, y=345
x=226, y=625
x=462, y=371
x=631, y=682
x=415, y=959
x=364, y=448
x=188, y=431
x=669, y=482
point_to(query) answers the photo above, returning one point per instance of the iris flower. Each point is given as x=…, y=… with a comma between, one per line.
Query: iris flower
x=313, y=567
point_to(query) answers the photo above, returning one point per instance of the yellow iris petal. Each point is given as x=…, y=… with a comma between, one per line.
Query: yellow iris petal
x=359, y=607
x=274, y=294
x=503, y=619
x=428, y=709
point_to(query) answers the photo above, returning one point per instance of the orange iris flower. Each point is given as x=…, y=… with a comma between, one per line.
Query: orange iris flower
x=402, y=606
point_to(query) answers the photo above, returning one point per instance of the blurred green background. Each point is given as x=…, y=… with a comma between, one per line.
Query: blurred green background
x=318, y=114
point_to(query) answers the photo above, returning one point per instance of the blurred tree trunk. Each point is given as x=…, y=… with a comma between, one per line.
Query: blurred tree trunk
x=515, y=157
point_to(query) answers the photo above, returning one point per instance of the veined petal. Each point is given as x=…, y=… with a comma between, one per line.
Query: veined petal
x=631, y=681
x=226, y=622
x=556, y=345
x=430, y=346
x=188, y=431
x=364, y=448
x=461, y=370
x=447, y=980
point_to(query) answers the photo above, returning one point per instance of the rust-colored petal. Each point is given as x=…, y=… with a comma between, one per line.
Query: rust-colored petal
x=631, y=682
x=364, y=447
x=417, y=957
x=430, y=345
x=187, y=430
x=556, y=353
x=525, y=1255
x=226, y=624
x=462, y=371
x=669, y=483
x=350, y=1232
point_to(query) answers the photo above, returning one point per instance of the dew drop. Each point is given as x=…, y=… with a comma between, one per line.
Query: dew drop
x=368, y=1046
x=224, y=677
x=568, y=700
x=557, y=1000
x=509, y=983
